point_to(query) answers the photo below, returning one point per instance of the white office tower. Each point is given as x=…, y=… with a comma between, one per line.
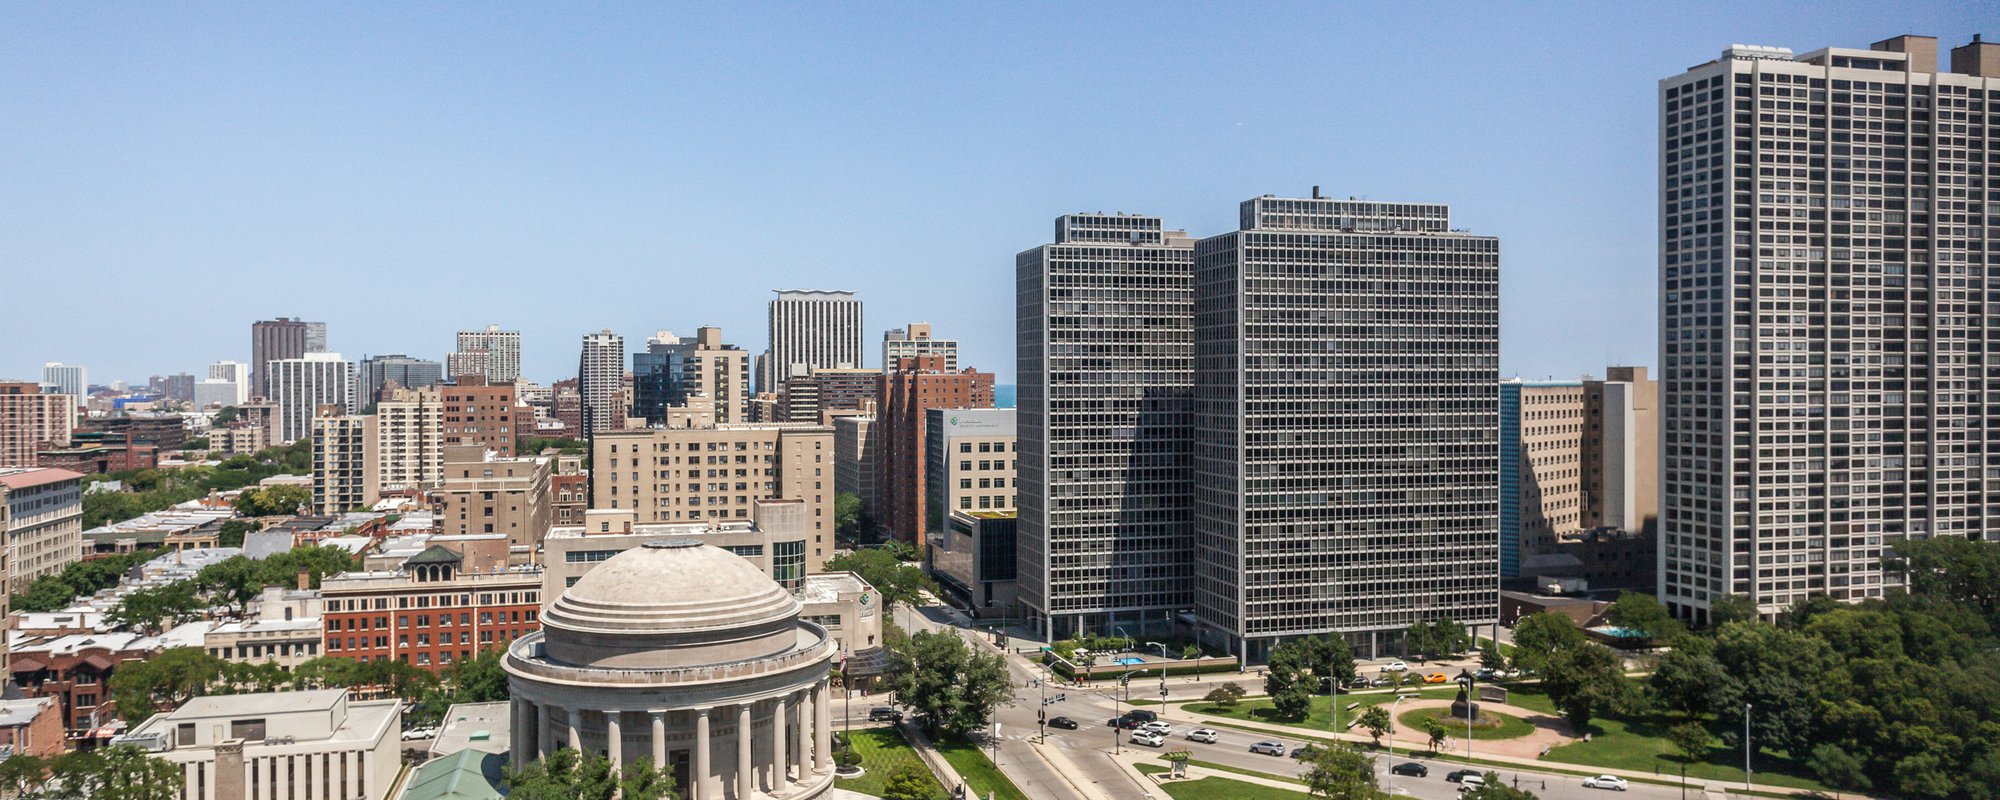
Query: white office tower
x=915, y=341
x=600, y=376
x=502, y=362
x=1825, y=317
x=1346, y=452
x=235, y=372
x=1105, y=353
x=811, y=329
x=66, y=379
x=299, y=386
x=216, y=392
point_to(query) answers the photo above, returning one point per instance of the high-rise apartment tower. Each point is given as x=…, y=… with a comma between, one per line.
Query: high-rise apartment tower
x=811, y=329
x=601, y=382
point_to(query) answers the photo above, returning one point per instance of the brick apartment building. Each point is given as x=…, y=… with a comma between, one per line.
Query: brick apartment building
x=919, y=384
x=481, y=413
x=431, y=612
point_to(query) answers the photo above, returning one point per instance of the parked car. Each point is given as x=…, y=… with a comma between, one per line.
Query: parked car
x=1411, y=768
x=1382, y=681
x=1148, y=738
x=1472, y=783
x=1484, y=674
x=419, y=733
x=1064, y=723
x=1436, y=677
x=1459, y=775
x=1268, y=748
x=1158, y=727
x=1305, y=752
x=884, y=714
x=1203, y=735
x=1612, y=782
x=1395, y=666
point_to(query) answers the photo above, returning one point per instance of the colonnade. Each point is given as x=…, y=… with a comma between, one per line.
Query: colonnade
x=800, y=745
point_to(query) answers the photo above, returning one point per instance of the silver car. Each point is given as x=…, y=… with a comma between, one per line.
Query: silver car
x=1203, y=735
x=1268, y=748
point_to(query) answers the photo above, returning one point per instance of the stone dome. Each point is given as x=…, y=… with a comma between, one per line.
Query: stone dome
x=671, y=603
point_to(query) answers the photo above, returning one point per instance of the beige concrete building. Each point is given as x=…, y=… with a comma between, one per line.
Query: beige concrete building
x=238, y=440
x=409, y=449
x=30, y=419
x=673, y=368
x=301, y=745
x=1621, y=451
x=484, y=493
x=1551, y=464
x=854, y=459
x=41, y=522
x=777, y=539
x=283, y=627
x=971, y=463
x=716, y=473
x=344, y=461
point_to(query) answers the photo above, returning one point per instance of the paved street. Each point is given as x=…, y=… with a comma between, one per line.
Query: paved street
x=1087, y=771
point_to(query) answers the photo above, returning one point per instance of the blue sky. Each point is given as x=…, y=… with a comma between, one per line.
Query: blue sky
x=172, y=173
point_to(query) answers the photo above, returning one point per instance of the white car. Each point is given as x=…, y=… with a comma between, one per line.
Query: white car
x=419, y=733
x=1148, y=738
x=1158, y=727
x=1611, y=782
x=1203, y=735
x=1395, y=666
x=1471, y=783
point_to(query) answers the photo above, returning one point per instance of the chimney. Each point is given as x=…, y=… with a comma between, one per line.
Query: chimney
x=1922, y=51
x=305, y=580
x=229, y=775
x=1979, y=59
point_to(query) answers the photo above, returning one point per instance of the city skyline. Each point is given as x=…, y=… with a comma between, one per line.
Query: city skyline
x=288, y=152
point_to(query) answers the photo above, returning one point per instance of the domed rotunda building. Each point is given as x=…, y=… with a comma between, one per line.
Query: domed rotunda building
x=686, y=654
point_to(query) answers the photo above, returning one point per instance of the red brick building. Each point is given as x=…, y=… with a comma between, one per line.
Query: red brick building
x=32, y=726
x=476, y=412
x=917, y=385
x=572, y=496
x=430, y=613
x=98, y=459
x=75, y=670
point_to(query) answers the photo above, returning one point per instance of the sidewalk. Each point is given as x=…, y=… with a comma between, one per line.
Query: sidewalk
x=931, y=757
x=1129, y=761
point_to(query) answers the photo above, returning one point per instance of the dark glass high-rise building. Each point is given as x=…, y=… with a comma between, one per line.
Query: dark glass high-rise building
x=1827, y=246
x=1104, y=338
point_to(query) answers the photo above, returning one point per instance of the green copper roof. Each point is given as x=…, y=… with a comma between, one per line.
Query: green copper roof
x=464, y=775
x=436, y=554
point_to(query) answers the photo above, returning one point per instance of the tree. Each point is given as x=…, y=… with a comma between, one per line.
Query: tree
x=1376, y=721
x=1924, y=776
x=1436, y=638
x=1538, y=636
x=1785, y=675
x=1687, y=677
x=1953, y=569
x=1437, y=731
x=1288, y=682
x=848, y=518
x=22, y=773
x=1729, y=608
x=152, y=610
x=226, y=415
x=568, y=775
x=1340, y=772
x=121, y=772
x=898, y=582
x=1495, y=789
x=1490, y=657
x=947, y=683
x=1642, y=612
x=1583, y=681
x=908, y=782
x=271, y=501
x=1836, y=768
x=1225, y=696
x=233, y=531
x=1691, y=740
x=177, y=674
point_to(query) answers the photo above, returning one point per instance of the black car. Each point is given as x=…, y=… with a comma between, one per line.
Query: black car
x=1411, y=768
x=1141, y=716
x=1305, y=752
x=1064, y=723
x=884, y=714
x=1459, y=775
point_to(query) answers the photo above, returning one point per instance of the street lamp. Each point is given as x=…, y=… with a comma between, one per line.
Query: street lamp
x=1746, y=747
x=1163, y=650
x=1392, y=742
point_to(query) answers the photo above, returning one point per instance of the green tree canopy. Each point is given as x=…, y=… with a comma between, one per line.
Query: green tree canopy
x=898, y=582
x=1642, y=612
x=1340, y=772
x=1376, y=721
x=1437, y=638
x=946, y=683
x=1687, y=677
x=568, y=775
x=1584, y=680
x=1538, y=637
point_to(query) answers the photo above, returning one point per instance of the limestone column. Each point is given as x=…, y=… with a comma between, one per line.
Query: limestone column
x=517, y=749
x=660, y=739
x=804, y=734
x=822, y=728
x=780, y=769
x=746, y=774
x=614, y=738
x=545, y=737
x=575, y=718
x=701, y=766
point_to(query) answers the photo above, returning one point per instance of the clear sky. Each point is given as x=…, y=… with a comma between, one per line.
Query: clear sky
x=170, y=173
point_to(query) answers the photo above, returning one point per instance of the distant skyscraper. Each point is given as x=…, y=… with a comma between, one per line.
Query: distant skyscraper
x=271, y=340
x=503, y=349
x=1346, y=455
x=316, y=337
x=672, y=367
x=811, y=329
x=601, y=382
x=216, y=392
x=31, y=418
x=410, y=373
x=916, y=340
x=1105, y=424
x=1825, y=317
x=299, y=386
x=179, y=386
x=67, y=379
x=235, y=372
x=467, y=362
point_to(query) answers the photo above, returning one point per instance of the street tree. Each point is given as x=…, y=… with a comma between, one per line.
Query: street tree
x=1537, y=637
x=1224, y=697
x=1376, y=721
x=1436, y=730
x=1583, y=681
x=953, y=688
x=169, y=679
x=1437, y=638
x=1835, y=767
x=1642, y=612
x=1496, y=789
x=1288, y=682
x=1687, y=677
x=908, y=782
x=1340, y=771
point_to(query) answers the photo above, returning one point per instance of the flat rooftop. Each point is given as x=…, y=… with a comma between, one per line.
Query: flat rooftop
x=486, y=727
x=233, y=705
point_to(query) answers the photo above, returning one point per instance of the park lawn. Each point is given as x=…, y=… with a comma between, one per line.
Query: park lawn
x=882, y=751
x=980, y=775
x=1320, y=718
x=1239, y=770
x=1219, y=788
x=1640, y=744
x=1510, y=726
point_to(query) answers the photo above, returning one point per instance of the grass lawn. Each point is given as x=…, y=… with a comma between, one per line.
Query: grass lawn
x=1219, y=788
x=1241, y=770
x=882, y=752
x=978, y=770
x=1509, y=726
x=1640, y=744
x=1320, y=718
